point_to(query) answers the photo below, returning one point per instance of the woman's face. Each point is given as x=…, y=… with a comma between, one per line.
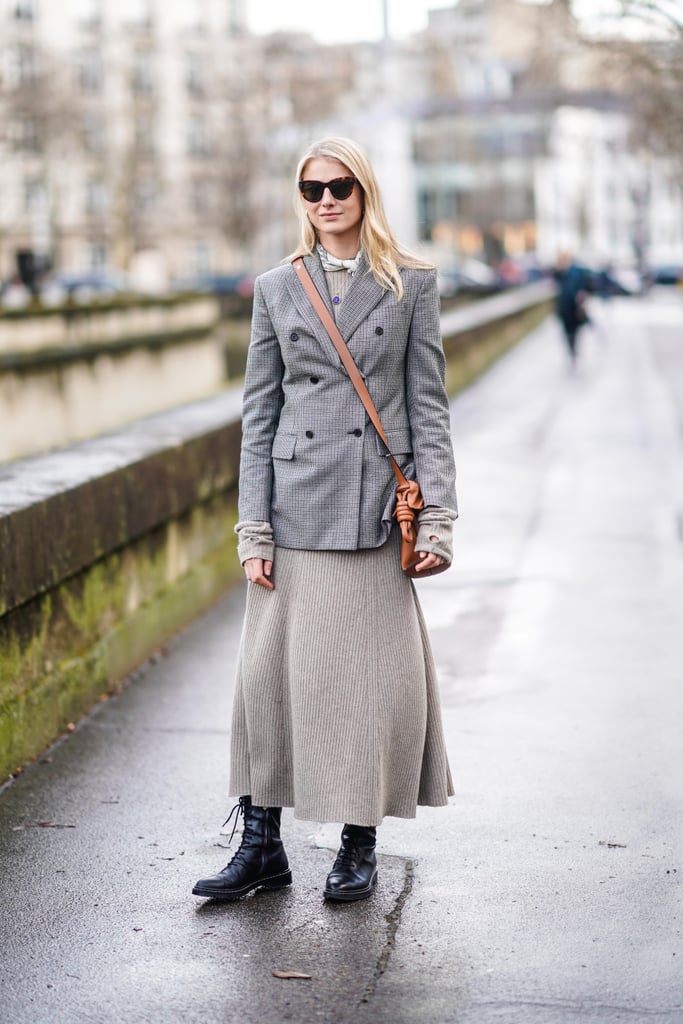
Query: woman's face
x=336, y=221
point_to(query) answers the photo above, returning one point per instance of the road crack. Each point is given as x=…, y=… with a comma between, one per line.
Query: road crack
x=393, y=919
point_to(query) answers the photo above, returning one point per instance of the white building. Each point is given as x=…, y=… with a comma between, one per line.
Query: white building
x=119, y=117
x=599, y=197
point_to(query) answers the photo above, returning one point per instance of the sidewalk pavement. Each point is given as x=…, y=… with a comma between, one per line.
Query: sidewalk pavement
x=549, y=891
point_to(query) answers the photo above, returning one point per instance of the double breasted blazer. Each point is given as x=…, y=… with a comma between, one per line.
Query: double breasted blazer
x=311, y=462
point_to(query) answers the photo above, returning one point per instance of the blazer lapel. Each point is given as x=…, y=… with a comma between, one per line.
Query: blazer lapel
x=303, y=304
x=363, y=295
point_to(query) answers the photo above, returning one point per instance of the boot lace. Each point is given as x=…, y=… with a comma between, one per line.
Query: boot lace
x=236, y=811
x=346, y=857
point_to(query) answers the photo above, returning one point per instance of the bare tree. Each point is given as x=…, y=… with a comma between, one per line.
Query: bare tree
x=41, y=123
x=645, y=55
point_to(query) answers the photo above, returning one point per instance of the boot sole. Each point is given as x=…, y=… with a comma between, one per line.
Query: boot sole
x=350, y=896
x=280, y=881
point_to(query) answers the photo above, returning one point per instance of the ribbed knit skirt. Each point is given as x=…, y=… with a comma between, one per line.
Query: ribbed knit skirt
x=336, y=710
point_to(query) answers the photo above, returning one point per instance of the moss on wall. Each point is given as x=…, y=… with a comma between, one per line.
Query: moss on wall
x=73, y=310
x=63, y=650
x=46, y=542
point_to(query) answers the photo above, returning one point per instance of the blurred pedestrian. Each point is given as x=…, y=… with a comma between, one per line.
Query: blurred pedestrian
x=336, y=711
x=570, y=304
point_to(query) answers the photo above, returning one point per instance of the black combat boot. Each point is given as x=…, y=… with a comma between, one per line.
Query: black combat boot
x=354, y=873
x=259, y=861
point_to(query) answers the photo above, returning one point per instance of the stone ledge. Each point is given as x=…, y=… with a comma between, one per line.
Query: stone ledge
x=497, y=307
x=89, y=351
x=63, y=511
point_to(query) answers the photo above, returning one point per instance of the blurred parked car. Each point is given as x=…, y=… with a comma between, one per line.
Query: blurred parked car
x=234, y=292
x=469, y=276
x=521, y=269
x=84, y=286
x=665, y=274
x=13, y=293
x=218, y=284
x=609, y=281
x=627, y=279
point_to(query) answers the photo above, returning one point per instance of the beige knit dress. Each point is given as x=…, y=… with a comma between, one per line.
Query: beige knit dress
x=336, y=710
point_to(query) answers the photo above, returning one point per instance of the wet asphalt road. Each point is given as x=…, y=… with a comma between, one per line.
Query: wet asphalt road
x=549, y=890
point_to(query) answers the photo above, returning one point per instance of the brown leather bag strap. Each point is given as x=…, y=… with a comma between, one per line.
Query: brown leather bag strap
x=346, y=358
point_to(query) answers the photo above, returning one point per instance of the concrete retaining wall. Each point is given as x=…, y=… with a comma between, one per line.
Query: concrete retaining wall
x=109, y=547
x=106, y=550
x=75, y=372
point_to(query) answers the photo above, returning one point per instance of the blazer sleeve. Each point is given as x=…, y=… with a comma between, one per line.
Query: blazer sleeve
x=261, y=405
x=427, y=401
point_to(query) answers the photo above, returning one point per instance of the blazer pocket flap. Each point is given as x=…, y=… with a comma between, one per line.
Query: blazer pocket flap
x=283, y=446
x=400, y=442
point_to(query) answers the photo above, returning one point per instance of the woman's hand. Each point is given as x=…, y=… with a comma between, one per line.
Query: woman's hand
x=258, y=571
x=428, y=561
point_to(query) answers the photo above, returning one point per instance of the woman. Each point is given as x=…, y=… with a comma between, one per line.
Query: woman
x=336, y=710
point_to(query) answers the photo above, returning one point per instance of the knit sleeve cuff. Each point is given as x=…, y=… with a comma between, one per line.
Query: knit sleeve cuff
x=254, y=540
x=435, y=532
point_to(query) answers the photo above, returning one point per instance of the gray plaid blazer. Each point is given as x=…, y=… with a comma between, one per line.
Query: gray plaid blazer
x=311, y=462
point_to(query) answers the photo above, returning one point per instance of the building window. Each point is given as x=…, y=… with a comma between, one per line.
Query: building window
x=144, y=195
x=145, y=137
x=93, y=133
x=142, y=73
x=24, y=135
x=24, y=65
x=90, y=71
x=200, y=197
x=96, y=198
x=35, y=196
x=25, y=10
x=97, y=255
x=198, y=137
x=237, y=17
x=200, y=258
x=195, y=74
x=427, y=215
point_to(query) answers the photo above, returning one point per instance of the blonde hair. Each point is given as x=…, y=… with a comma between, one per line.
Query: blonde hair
x=383, y=252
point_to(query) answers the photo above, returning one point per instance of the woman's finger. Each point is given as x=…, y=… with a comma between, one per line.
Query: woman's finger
x=428, y=561
x=257, y=571
x=263, y=581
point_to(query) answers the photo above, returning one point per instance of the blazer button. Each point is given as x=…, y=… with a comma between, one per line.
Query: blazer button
x=314, y=380
x=309, y=433
x=357, y=432
x=379, y=330
x=294, y=336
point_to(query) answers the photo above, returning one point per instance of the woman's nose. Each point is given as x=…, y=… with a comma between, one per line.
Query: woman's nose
x=328, y=198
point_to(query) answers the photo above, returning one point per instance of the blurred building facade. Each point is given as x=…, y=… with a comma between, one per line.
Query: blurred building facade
x=532, y=149
x=139, y=133
x=119, y=121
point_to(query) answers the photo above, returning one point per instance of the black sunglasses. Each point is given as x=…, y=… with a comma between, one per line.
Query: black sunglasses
x=341, y=188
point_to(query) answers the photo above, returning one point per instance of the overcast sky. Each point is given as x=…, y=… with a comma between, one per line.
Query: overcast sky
x=344, y=21
x=339, y=20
